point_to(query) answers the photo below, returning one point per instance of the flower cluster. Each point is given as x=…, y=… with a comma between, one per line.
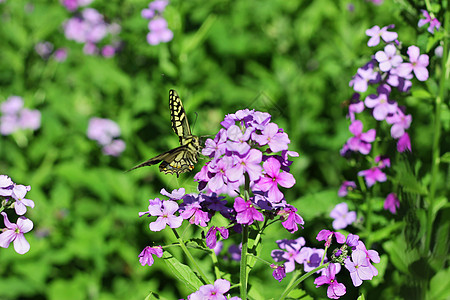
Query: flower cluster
x=387, y=70
x=214, y=291
x=15, y=116
x=90, y=28
x=12, y=195
x=45, y=50
x=105, y=132
x=159, y=32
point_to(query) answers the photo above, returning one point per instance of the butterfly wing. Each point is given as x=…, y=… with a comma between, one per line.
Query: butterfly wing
x=176, y=161
x=178, y=117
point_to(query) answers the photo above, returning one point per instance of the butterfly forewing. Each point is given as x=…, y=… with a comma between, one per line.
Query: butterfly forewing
x=178, y=117
x=183, y=158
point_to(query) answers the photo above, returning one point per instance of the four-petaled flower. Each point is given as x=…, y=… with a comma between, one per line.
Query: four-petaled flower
x=434, y=23
x=273, y=177
x=361, y=141
x=335, y=289
x=146, y=258
x=165, y=211
x=246, y=212
x=342, y=217
x=417, y=63
x=375, y=33
x=358, y=267
x=14, y=233
x=388, y=58
x=391, y=203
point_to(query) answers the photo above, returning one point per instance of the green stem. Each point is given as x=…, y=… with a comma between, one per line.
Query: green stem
x=290, y=287
x=435, y=160
x=215, y=263
x=243, y=266
x=200, y=272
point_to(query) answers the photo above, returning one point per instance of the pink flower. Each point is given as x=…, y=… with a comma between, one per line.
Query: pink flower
x=388, y=58
x=373, y=175
x=165, y=214
x=335, y=289
x=246, y=212
x=14, y=233
x=361, y=141
x=404, y=143
x=434, y=23
x=275, y=176
x=391, y=203
x=146, y=258
x=375, y=33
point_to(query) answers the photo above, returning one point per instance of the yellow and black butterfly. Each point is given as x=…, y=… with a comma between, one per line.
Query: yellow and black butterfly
x=183, y=158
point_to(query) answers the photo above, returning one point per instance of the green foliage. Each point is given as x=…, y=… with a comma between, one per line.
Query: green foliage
x=293, y=59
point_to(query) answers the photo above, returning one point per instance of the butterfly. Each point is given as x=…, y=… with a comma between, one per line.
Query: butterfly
x=183, y=158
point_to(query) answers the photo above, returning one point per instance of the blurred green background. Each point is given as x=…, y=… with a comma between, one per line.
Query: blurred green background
x=293, y=59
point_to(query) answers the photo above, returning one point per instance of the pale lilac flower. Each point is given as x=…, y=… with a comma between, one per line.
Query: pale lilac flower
x=115, y=148
x=356, y=106
x=439, y=51
x=434, y=23
x=146, y=258
x=44, y=49
x=373, y=175
x=30, y=119
x=291, y=253
x=166, y=216
x=246, y=212
x=250, y=163
x=147, y=13
x=404, y=143
x=358, y=267
x=312, y=258
x=12, y=106
x=176, y=194
x=363, y=77
x=6, y=186
x=212, y=292
x=159, y=5
x=274, y=176
x=237, y=140
x=216, y=147
x=345, y=187
x=375, y=33
x=399, y=122
x=90, y=48
x=391, y=203
x=418, y=64
x=18, y=193
x=371, y=256
x=335, y=289
x=14, y=233
x=361, y=141
x=388, y=58
x=381, y=106
x=159, y=33
x=102, y=130
x=342, y=217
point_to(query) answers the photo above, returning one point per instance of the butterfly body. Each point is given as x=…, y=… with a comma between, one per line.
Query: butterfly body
x=183, y=158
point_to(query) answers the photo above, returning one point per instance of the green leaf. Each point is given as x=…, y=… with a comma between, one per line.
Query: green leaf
x=446, y=157
x=183, y=272
x=361, y=297
x=440, y=286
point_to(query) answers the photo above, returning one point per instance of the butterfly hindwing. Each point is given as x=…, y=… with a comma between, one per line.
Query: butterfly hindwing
x=183, y=158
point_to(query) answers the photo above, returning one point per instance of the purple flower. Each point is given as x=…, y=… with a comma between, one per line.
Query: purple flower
x=279, y=272
x=291, y=218
x=383, y=161
x=391, y=203
x=246, y=212
x=219, y=179
x=388, y=58
x=363, y=77
x=342, y=217
x=102, y=130
x=12, y=106
x=335, y=289
x=418, y=64
x=217, y=147
x=381, y=106
x=60, y=54
x=108, y=51
x=6, y=186
x=30, y=119
x=291, y=254
x=44, y=49
x=371, y=256
x=250, y=163
x=146, y=258
x=404, y=143
x=165, y=213
x=14, y=233
x=212, y=292
x=375, y=33
x=358, y=267
x=352, y=240
x=327, y=235
x=176, y=194
x=345, y=187
x=159, y=5
x=312, y=258
x=400, y=122
x=211, y=237
x=159, y=33
x=18, y=193
x=361, y=141
x=355, y=107
x=237, y=140
x=272, y=137
x=273, y=177
x=196, y=214
x=373, y=175
x=115, y=148
x=434, y=23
